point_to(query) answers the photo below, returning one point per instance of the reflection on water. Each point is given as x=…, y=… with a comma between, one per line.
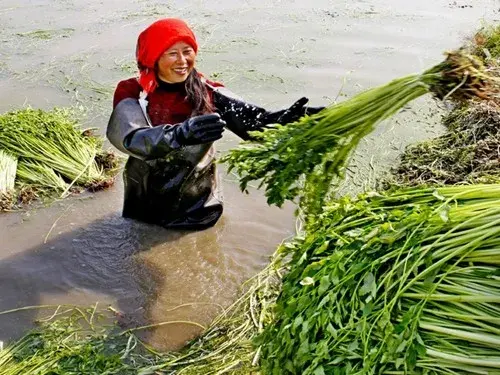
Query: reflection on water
x=80, y=250
x=143, y=271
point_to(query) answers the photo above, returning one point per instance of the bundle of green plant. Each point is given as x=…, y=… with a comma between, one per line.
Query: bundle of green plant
x=40, y=177
x=467, y=153
x=307, y=158
x=74, y=345
x=400, y=283
x=8, y=166
x=53, y=140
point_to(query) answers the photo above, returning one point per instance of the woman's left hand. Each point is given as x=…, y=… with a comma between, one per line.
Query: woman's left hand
x=296, y=111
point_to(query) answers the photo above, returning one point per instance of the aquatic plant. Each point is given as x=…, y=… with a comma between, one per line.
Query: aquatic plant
x=307, y=158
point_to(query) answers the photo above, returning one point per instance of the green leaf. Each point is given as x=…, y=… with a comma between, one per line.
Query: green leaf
x=319, y=371
x=399, y=362
x=401, y=346
x=368, y=285
x=324, y=284
x=353, y=346
x=297, y=322
x=444, y=213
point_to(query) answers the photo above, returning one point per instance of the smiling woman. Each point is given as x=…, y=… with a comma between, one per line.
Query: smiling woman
x=176, y=63
x=167, y=120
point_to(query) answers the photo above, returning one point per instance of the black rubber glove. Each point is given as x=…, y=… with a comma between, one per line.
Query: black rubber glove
x=152, y=143
x=295, y=112
x=199, y=129
x=242, y=117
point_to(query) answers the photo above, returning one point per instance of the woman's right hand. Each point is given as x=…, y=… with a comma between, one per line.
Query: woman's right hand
x=199, y=129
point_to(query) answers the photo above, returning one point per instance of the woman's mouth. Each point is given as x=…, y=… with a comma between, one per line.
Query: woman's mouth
x=180, y=71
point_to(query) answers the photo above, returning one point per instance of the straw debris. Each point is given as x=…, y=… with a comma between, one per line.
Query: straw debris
x=468, y=153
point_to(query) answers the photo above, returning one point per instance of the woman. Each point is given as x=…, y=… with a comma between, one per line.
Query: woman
x=167, y=121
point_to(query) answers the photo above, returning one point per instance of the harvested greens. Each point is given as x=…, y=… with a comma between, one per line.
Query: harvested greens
x=398, y=283
x=54, y=154
x=304, y=159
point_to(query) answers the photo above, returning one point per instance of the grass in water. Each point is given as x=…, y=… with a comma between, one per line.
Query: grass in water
x=76, y=341
x=48, y=34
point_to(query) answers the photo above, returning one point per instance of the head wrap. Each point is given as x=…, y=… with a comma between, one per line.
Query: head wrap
x=154, y=41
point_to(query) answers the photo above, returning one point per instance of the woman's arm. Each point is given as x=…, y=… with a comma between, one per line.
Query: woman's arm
x=242, y=117
x=129, y=132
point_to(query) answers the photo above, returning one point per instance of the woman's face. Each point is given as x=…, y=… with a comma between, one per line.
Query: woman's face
x=176, y=63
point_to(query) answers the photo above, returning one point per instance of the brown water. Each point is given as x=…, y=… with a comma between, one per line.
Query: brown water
x=73, y=52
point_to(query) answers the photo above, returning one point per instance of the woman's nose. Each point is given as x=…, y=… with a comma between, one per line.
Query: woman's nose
x=181, y=58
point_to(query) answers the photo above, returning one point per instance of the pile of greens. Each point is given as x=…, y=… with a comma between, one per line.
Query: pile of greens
x=54, y=156
x=395, y=283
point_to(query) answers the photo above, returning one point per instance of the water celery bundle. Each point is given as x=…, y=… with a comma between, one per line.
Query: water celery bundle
x=53, y=153
x=406, y=282
x=317, y=148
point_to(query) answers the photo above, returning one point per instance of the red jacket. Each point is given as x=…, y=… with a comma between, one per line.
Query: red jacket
x=167, y=104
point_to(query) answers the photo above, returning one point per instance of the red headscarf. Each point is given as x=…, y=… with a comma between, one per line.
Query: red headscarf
x=155, y=40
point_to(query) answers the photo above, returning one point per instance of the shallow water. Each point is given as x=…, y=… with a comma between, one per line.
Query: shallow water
x=73, y=52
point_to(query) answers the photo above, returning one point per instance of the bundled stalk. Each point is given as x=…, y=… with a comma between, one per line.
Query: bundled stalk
x=40, y=177
x=308, y=158
x=406, y=282
x=53, y=139
x=8, y=166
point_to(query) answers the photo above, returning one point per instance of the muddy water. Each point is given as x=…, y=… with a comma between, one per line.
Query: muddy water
x=72, y=52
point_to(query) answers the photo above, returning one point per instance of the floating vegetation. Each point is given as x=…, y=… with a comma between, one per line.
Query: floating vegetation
x=48, y=34
x=76, y=341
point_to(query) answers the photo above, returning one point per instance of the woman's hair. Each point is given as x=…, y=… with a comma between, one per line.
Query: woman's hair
x=197, y=94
